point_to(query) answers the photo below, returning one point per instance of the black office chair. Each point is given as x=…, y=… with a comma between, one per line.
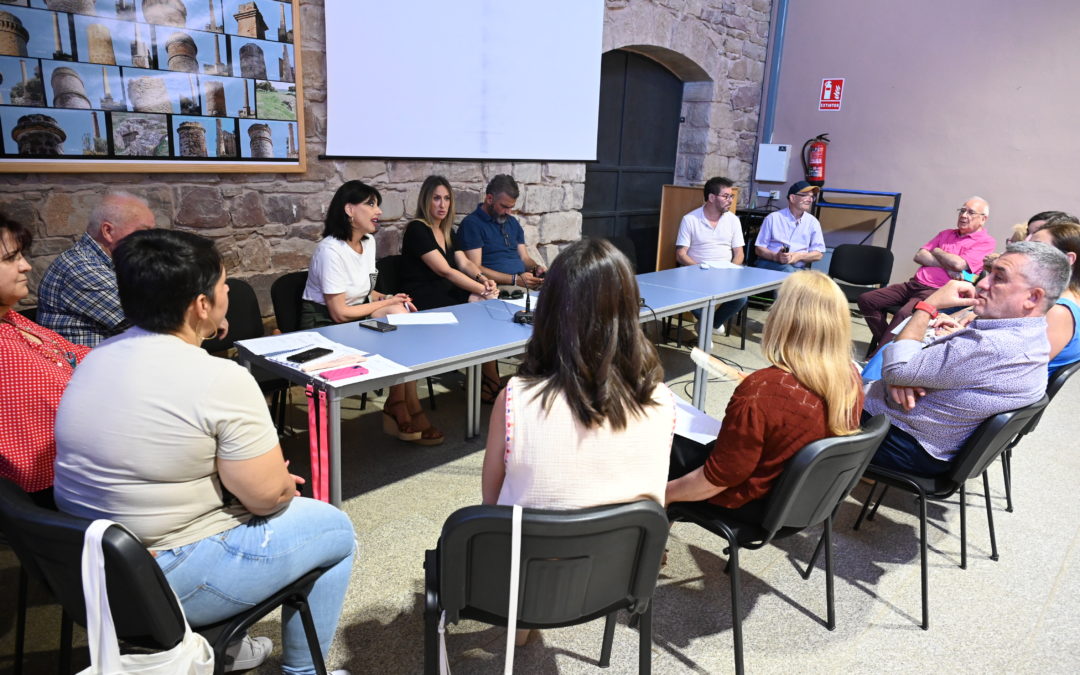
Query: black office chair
x=979, y=451
x=576, y=566
x=1053, y=386
x=245, y=323
x=285, y=294
x=145, y=610
x=859, y=268
x=808, y=492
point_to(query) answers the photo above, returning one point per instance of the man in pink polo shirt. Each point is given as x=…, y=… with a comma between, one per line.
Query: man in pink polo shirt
x=944, y=257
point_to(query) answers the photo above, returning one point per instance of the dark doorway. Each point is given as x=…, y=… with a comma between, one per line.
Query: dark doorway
x=640, y=104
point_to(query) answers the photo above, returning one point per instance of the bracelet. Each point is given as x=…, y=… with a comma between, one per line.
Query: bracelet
x=479, y=277
x=513, y=282
x=926, y=307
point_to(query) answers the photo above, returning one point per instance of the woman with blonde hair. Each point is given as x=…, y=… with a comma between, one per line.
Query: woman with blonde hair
x=811, y=391
x=433, y=273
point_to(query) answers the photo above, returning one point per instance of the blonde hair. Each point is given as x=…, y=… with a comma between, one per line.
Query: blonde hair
x=1019, y=232
x=427, y=191
x=808, y=334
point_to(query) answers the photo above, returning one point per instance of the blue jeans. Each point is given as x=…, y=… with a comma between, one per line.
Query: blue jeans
x=228, y=573
x=773, y=265
x=723, y=312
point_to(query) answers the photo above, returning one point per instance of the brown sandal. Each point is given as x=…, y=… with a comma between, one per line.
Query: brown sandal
x=429, y=435
x=392, y=424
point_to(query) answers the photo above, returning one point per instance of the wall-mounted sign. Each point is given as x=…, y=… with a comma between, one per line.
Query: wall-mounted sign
x=832, y=89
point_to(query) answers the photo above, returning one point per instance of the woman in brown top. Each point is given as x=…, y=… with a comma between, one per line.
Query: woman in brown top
x=810, y=391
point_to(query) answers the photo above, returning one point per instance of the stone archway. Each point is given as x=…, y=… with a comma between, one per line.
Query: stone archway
x=720, y=56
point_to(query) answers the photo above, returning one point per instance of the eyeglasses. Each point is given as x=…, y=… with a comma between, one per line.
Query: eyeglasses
x=505, y=234
x=969, y=212
x=515, y=294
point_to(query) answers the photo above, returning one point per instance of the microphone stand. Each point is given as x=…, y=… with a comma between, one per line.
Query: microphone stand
x=525, y=316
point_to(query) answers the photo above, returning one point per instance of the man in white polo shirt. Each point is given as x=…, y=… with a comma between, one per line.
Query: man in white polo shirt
x=712, y=234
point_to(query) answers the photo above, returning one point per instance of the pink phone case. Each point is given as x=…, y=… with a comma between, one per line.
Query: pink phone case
x=343, y=373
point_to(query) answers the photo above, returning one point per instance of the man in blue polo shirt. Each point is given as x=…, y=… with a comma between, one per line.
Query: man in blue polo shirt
x=790, y=238
x=493, y=239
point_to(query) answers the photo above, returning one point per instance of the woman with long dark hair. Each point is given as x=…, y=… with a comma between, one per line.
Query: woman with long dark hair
x=587, y=420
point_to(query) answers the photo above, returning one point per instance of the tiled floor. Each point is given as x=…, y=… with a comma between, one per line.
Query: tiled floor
x=1017, y=615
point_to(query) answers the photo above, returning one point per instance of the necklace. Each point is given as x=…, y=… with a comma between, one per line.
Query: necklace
x=49, y=348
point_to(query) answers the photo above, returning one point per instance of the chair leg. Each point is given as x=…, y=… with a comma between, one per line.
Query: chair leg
x=430, y=394
x=990, y=517
x=826, y=537
x=813, y=559
x=880, y=498
x=963, y=528
x=20, y=620
x=742, y=326
x=609, y=636
x=65, y=644
x=1006, y=471
x=736, y=615
x=301, y=606
x=922, y=559
x=865, y=506
x=363, y=401
x=645, y=642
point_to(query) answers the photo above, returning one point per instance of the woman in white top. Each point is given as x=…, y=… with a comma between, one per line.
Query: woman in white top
x=587, y=420
x=341, y=287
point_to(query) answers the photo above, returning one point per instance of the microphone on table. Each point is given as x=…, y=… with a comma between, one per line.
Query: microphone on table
x=525, y=316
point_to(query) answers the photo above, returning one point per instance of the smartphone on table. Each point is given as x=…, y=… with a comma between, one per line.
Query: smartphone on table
x=380, y=326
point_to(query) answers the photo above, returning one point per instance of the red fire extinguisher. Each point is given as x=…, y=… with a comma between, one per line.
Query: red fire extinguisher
x=813, y=159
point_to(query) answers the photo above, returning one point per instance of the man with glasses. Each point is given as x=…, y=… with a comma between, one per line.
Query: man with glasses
x=712, y=235
x=947, y=256
x=790, y=239
x=494, y=240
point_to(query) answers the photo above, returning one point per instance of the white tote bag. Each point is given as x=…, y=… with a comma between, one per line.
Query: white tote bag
x=192, y=656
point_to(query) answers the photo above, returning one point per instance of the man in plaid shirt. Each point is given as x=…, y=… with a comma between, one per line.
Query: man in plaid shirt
x=78, y=297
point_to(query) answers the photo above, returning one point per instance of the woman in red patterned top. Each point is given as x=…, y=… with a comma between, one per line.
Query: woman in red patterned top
x=811, y=391
x=37, y=364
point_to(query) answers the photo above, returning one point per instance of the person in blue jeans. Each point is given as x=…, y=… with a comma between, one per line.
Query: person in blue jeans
x=178, y=446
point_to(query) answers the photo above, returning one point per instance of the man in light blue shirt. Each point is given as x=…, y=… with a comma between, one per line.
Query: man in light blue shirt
x=790, y=238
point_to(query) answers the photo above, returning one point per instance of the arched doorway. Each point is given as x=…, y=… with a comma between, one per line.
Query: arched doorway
x=636, y=145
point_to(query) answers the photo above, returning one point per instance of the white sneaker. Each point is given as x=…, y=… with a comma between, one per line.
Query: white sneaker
x=340, y=672
x=247, y=653
x=721, y=331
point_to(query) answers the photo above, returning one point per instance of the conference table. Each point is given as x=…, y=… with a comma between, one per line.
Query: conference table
x=485, y=331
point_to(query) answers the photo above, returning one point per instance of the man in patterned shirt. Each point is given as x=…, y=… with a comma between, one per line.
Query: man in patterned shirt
x=935, y=395
x=78, y=297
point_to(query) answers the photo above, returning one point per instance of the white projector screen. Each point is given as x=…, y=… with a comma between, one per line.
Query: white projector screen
x=464, y=79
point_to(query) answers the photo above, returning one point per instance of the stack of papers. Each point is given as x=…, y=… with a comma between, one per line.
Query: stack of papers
x=278, y=348
x=694, y=424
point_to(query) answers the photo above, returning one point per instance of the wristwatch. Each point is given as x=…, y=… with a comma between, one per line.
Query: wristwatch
x=928, y=308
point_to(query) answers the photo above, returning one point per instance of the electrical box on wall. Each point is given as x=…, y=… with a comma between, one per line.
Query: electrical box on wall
x=772, y=163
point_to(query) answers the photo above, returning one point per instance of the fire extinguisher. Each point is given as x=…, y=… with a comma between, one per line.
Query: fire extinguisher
x=813, y=161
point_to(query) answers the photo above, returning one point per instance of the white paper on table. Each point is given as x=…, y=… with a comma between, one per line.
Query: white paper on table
x=377, y=366
x=421, y=318
x=694, y=424
x=722, y=264
x=279, y=348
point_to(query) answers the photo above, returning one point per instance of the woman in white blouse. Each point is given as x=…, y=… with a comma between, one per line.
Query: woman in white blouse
x=341, y=287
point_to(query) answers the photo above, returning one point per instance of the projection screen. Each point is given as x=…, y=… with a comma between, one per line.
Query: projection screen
x=465, y=79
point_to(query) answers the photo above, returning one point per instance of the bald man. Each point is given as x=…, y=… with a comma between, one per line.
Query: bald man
x=78, y=297
x=945, y=257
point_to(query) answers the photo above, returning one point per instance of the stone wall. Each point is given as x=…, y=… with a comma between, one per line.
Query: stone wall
x=268, y=224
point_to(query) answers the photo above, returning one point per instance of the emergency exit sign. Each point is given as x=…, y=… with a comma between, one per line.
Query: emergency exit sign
x=832, y=89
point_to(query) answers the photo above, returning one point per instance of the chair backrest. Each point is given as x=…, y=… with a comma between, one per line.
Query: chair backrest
x=389, y=279
x=820, y=476
x=49, y=545
x=575, y=565
x=285, y=294
x=861, y=264
x=244, y=316
x=990, y=439
x=1058, y=379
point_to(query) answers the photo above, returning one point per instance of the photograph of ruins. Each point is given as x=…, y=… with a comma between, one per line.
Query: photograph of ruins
x=187, y=83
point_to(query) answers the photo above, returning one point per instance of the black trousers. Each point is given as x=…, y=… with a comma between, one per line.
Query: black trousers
x=688, y=455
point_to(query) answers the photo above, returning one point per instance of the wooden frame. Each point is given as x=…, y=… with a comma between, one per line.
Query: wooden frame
x=675, y=202
x=151, y=86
